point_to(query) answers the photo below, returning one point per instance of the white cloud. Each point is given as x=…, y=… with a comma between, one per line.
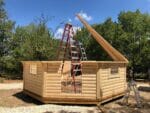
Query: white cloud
x=76, y=28
x=85, y=16
x=70, y=20
x=60, y=31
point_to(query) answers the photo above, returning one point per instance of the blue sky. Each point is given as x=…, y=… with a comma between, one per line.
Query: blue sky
x=94, y=11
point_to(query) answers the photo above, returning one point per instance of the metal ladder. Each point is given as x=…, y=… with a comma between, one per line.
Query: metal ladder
x=75, y=60
x=132, y=86
x=82, y=51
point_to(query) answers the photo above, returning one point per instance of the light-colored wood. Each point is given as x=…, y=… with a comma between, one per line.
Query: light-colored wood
x=96, y=81
x=98, y=86
x=114, y=54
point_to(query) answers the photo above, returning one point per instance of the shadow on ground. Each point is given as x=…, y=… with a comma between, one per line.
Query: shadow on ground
x=26, y=98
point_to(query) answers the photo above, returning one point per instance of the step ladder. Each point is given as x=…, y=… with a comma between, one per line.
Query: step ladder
x=75, y=61
x=131, y=86
x=64, y=45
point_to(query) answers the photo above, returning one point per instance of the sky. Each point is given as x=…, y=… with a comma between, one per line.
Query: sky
x=24, y=12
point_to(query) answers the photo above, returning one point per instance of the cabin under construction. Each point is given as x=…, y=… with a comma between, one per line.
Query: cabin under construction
x=72, y=78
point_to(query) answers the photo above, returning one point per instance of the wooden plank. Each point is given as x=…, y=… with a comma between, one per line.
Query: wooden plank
x=89, y=88
x=53, y=78
x=66, y=96
x=52, y=75
x=53, y=82
x=113, y=84
x=113, y=89
x=53, y=91
x=52, y=88
x=53, y=85
x=33, y=85
x=98, y=85
x=89, y=82
x=88, y=92
x=89, y=85
x=113, y=53
x=88, y=79
x=112, y=80
x=89, y=76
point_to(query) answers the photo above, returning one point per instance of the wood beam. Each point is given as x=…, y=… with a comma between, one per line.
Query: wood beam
x=112, y=52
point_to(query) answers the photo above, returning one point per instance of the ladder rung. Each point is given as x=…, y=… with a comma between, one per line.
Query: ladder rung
x=72, y=41
x=77, y=70
x=75, y=57
x=73, y=46
x=74, y=52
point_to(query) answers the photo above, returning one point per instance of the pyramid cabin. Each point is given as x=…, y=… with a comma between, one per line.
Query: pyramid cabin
x=77, y=81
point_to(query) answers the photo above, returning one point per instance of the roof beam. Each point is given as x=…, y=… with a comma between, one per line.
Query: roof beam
x=112, y=52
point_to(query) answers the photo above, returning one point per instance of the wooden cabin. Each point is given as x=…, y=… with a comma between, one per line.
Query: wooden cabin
x=100, y=80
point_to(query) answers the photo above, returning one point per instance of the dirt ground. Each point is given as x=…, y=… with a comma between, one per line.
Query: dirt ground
x=15, y=98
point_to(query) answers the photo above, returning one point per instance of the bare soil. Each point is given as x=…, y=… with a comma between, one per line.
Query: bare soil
x=15, y=98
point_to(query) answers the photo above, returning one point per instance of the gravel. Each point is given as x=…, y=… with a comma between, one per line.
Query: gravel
x=51, y=108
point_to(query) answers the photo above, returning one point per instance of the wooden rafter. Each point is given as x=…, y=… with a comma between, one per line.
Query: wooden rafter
x=113, y=53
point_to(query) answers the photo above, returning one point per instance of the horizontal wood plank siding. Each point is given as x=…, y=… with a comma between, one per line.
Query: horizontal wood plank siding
x=33, y=82
x=98, y=83
x=53, y=82
x=112, y=84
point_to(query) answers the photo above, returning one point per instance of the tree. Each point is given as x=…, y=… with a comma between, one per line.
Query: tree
x=31, y=42
x=137, y=27
x=130, y=35
x=6, y=27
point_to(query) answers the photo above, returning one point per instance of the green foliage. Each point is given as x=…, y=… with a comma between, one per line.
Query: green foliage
x=6, y=28
x=31, y=42
x=130, y=35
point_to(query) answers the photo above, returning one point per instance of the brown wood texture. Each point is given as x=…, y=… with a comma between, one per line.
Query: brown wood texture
x=110, y=84
x=113, y=53
x=97, y=82
x=33, y=82
x=53, y=81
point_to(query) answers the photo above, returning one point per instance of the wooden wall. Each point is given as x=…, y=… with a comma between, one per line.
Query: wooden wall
x=33, y=82
x=97, y=81
x=52, y=82
x=111, y=85
x=52, y=79
x=89, y=71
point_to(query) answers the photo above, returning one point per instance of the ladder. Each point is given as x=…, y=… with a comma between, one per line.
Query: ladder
x=71, y=49
x=82, y=51
x=64, y=45
x=132, y=86
x=75, y=61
